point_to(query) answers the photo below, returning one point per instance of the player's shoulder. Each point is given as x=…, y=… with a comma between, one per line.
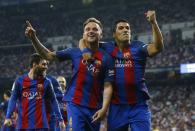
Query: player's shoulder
x=108, y=43
x=49, y=77
x=104, y=53
x=21, y=77
x=73, y=50
x=53, y=80
x=108, y=46
x=19, y=80
x=137, y=43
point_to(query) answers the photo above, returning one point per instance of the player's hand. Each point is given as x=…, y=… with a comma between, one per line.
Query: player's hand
x=64, y=107
x=151, y=16
x=30, y=31
x=82, y=46
x=99, y=115
x=87, y=56
x=62, y=126
x=8, y=122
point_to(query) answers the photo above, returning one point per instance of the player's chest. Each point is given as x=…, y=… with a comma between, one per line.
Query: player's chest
x=93, y=66
x=129, y=59
x=33, y=91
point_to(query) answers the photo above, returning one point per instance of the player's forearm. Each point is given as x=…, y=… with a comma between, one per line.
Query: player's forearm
x=107, y=94
x=41, y=49
x=55, y=105
x=11, y=106
x=157, y=37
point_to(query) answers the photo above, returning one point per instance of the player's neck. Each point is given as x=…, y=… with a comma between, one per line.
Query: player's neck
x=93, y=46
x=122, y=46
x=31, y=74
x=34, y=75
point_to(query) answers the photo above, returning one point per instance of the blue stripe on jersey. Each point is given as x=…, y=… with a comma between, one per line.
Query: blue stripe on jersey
x=120, y=84
x=44, y=116
x=39, y=103
x=31, y=114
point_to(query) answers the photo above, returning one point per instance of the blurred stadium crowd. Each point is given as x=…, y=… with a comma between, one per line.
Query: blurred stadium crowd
x=172, y=105
x=172, y=108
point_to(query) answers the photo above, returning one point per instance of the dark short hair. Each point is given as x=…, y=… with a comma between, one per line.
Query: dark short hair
x=35, y=58
x=92, y=20
x=116, y=23
x=8, y=93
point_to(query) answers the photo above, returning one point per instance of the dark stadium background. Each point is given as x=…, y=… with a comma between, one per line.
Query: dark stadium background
x=59, y=25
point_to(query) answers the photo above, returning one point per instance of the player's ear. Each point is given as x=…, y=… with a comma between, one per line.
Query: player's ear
x=34, y=64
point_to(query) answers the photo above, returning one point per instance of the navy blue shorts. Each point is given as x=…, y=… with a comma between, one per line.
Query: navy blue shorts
x=7, y=128
x=136, y=117
x=80, y=118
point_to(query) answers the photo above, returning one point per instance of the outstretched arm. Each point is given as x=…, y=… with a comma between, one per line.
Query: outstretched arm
x=40, y=48
x=156, y=45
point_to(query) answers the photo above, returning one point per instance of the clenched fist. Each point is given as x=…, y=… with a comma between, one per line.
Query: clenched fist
x=151, y=16
x=30, y=31
x=8, y=122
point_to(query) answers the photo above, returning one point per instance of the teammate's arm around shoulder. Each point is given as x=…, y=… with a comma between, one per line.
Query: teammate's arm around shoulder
x=156, y=45
x=85, y=52
x=30, y=32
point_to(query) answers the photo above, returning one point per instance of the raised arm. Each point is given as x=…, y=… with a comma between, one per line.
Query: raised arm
x=39, y=47
x=156, y=45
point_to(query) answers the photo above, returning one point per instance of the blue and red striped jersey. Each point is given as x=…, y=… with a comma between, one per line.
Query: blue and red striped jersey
x=129, y=66
x=50, y=110
x=30, y=96
x=86, y=85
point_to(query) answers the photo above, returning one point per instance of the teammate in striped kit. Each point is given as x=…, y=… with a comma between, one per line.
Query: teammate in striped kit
x=51, y=114
x=90, y=78
x=62, y=81
x=30, y=91
x=128, y=108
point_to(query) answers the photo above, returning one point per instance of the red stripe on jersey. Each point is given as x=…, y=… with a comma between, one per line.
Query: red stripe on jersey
x=48, y=110
x=65, y=117
x=115, y=97
x=25, y=102
x=129, y=73
x=39, y=103
x=78, y=94
x=114, y=52
x=94, y=93
x=93, y=98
